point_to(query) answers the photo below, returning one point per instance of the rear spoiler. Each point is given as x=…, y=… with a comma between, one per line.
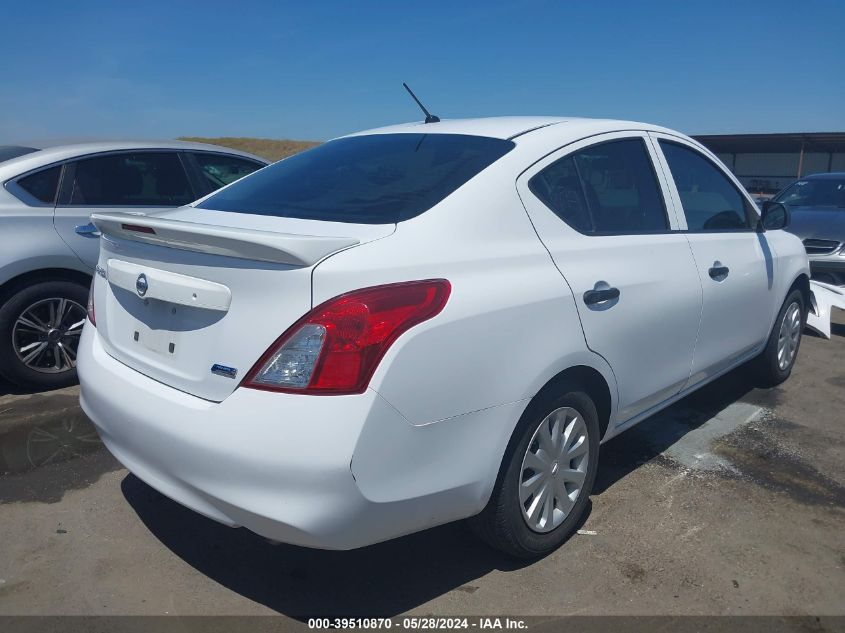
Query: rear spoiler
x=267, y=246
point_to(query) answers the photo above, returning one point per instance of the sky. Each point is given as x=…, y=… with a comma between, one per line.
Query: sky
x=315, y=70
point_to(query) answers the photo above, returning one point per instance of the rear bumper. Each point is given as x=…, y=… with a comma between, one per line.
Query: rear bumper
x=327, y=472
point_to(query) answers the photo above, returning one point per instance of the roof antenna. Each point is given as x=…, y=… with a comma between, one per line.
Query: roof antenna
x=429, y=117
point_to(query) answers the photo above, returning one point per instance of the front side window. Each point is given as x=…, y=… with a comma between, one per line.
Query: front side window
x=710, y=200
x=371, y=179
x=42, y=185
x=131, y=179
x=606, y=188
x=218, y=169
x=816, y=192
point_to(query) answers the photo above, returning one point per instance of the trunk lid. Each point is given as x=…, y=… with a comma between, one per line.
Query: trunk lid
x=195, y=297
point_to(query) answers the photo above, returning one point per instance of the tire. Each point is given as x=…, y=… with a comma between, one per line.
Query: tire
x=54, y=365
x=503, y=523
x=768, y=367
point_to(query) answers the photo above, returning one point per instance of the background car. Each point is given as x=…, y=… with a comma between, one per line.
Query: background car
x=817, y=209
x=49, y=248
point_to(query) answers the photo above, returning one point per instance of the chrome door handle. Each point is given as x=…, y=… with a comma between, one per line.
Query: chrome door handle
x=718, y=272
x=592, y=297
x=87, y=230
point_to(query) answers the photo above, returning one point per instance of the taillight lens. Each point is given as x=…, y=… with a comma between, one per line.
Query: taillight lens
x=335, y=348
x=92, y=316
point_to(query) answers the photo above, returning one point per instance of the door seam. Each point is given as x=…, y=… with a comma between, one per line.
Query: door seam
x=571, y=292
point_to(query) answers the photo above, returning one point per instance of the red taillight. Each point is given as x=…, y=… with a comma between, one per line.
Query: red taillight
x=92, y=316
x=335, y=348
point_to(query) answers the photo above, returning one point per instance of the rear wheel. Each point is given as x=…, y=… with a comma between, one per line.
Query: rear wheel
x=40, y=327
x=775, y=364
x=546, y=477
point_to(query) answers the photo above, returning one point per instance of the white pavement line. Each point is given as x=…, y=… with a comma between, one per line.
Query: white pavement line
x=694, y=448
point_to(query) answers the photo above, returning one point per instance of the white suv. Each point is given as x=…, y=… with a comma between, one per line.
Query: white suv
x=430, y=322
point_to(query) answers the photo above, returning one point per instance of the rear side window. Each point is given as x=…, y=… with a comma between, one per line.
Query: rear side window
x=218, y=169
x=710, y=200
x=42, y=185
x=131, y=179
x=373, y=179
x=559, y=187
x=606, y=188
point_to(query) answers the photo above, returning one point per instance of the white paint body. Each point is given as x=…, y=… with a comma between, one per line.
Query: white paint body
x=424, y=443
x=825, y=297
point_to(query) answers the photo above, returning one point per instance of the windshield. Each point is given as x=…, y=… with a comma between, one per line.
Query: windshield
x=13, y=151
x=372, y=179
x=816, y=192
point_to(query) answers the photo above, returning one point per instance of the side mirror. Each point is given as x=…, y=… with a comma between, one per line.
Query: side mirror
x=775, y=216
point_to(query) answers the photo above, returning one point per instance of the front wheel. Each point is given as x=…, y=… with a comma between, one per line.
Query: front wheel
x=774, y=365
x=39, y=334
x=546, y=477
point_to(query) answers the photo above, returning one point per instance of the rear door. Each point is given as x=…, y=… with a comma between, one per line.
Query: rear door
x=734, y=261
x=598, y=206
x=131, y=181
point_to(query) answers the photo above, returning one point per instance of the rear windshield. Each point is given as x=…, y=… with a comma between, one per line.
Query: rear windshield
x=373, y=179
x=8, y=152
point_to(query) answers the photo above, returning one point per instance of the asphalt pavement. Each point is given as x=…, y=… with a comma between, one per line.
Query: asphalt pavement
x=730, y=502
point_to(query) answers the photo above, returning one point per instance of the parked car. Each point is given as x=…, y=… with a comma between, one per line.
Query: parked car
x=49, y=248
x=817, y=209
x=430, y=322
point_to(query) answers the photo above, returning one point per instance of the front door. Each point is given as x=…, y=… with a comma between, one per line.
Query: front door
x=599, y=207
x=734, y=261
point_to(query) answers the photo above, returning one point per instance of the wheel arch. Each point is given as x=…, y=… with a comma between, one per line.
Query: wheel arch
x=802, y=283
x=9, y=287
x=593, y=383
x=579, y=376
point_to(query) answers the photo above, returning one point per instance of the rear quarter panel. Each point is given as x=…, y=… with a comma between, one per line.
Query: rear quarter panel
x=28, y=241
x=510, y=324
x=465, y=377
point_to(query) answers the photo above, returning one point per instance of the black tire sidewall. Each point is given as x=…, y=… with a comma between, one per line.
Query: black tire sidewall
x=772, y=373
x=529, y=542
x=11, y=367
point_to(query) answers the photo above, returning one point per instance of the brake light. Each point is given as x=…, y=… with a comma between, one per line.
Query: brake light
x=137, y=228
x=336, y=347
x=92, y=316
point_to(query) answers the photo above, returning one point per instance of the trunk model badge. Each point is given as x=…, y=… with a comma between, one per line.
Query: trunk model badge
x=141, y=285
x=222, y=370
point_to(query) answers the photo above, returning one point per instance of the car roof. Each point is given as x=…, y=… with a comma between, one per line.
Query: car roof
x=504, y=127
x=833, y=175
x=53, y=153
x=511, y=127
x=534, y=137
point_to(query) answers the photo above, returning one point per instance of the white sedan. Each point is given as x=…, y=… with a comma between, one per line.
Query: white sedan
x=49, y=248
x=430, y=322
